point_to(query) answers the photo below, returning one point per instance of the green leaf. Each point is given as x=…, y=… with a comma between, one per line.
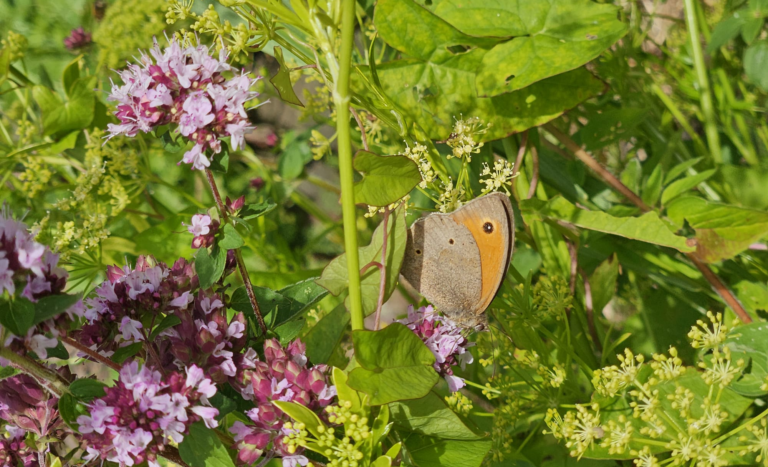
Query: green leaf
x=294, y=157
x=430, y=416
x=289, y=331
x=223, y=403
x=394, y=365
x=202, y=448
x=7, y=372
x=386, y=179
x=603, y=283
x=756, y=62
x=346, y=393
x=210, y=266
x=428, y=451
x=87, y=389
x=59, y=352
x=722, y=231
x=253, y=211
x=652, y=189
x=124, y=353
x=231, y=240
x=302, y=414
x=646, y=228
x=73, y=114
x=163, y=240
x=679, y=187
x=282, y=80
x=70, y=409
x=70, y=75
x=681, y=168
x=168, y=322
x=436, y=84
x=546, y=38
x=17, y=315
x=609, y=126
x=324, y=336
x=220, y=162
x=277, y=307
x=725, y=31
x=748, y=342
x=52, y=306
x=334, y=277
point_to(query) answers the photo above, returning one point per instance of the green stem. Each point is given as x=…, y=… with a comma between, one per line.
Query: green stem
x=705, y=96
x=675, y=111
x=341, y=100
x=741, y=427
x=480, y=386
x=47, y=378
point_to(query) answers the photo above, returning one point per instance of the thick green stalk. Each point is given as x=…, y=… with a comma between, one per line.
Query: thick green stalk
x=341, y=100
x=47, y=378
x=705, y=95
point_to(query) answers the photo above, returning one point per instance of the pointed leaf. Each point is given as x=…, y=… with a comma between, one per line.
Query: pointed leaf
x=386, y=179
x=202, y=448
x=17, y=315
x=679, y=187
x=282, y=80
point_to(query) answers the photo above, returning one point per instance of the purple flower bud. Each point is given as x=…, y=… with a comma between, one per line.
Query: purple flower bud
x=292, y=371
x=236, y=205
x=273, y=350
x=257, y=183
x=77, y=39
x=277, y=369
x=316, y=380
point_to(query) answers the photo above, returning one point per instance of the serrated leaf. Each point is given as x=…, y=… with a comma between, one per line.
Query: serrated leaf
x=124, y=353
x=394, y=365
x=679, y=187
x=210, y=266
x=646, y=228
x=202, y=448
x=18, y=315
x=282, y=80
x=231, y=239
x=87, y=389
x=168, y=322
x=335, y=278
x=722, y=231
x=52, y=306
x=386, y=179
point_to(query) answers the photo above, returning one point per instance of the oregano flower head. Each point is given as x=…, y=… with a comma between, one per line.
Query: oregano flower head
x=185, y=87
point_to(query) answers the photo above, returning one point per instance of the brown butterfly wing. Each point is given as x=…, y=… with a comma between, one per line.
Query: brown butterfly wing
x=492, y=224
x=442, y=262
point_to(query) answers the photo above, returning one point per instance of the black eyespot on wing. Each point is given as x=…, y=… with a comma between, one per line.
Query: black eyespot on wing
x=418, y=252
x=451, y=241
x=488, y=227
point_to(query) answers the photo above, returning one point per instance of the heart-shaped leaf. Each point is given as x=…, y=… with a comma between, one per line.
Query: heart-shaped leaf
x=386, y=179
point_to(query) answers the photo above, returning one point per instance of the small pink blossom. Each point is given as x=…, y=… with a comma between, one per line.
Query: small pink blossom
x=200, y=224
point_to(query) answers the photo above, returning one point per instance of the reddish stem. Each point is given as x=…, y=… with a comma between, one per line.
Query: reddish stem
x=91, y=353
x=383, y=284
x=360, y=125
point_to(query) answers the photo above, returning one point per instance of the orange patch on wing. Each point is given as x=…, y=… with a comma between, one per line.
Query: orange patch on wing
x=492, y=248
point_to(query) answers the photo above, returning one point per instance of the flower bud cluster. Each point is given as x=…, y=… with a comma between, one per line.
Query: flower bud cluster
x=283, y=375
x=14, y=451
x=30, y=271
x=27, y=406
x=444, y=338
x=130, y=298
x=184, y=87
x=141, y=414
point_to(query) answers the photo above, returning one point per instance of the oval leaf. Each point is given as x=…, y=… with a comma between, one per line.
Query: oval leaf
x=386, y=179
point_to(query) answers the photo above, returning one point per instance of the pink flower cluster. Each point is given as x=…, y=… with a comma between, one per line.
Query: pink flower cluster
x=185, y=87
x=204, y=229
x=444, y=339
x=29, y=407
x=26, y=264
x=131, y=297
x=142, y=413
x=14, y=451
x=283, y=376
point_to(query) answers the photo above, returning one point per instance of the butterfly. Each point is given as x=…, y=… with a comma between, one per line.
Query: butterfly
x=458, y=260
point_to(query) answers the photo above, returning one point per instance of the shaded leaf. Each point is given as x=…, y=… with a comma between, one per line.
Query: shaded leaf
x=748, y=342
x=430, y=416
x=277, y=307
x=652, y=189
x=52, y=306
x=603, y=283
x=326, y=335
x=202, y=448
x=66, y=115
x=756, y=62
x=59, y=352
x=124, y=353
x=679, y=187
x=231, y=239
x=282, y=80
x=609, y=126
x=18, y=315
x=210, y=266
x=87, y=389
x=253, y=211
x=335, y=279
x=427, y=451
x=724, y=31
x=394, y=365
x=167, y=322
x=386, y=179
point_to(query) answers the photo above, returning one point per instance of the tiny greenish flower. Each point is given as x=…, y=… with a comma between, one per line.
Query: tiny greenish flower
x=704, y=337
x=682, y=400
x=499, y=177
x=684, y=449
x=710, y=421
x=462, y=140
x=619, y=436
x=645, y=458
x=760, y=442
x=583, y=429
x=721, y=370
x=418, y=154
x=667, y=368
x=646, y=403
x=459, y=403
x=451, y=198
x=712, y=456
